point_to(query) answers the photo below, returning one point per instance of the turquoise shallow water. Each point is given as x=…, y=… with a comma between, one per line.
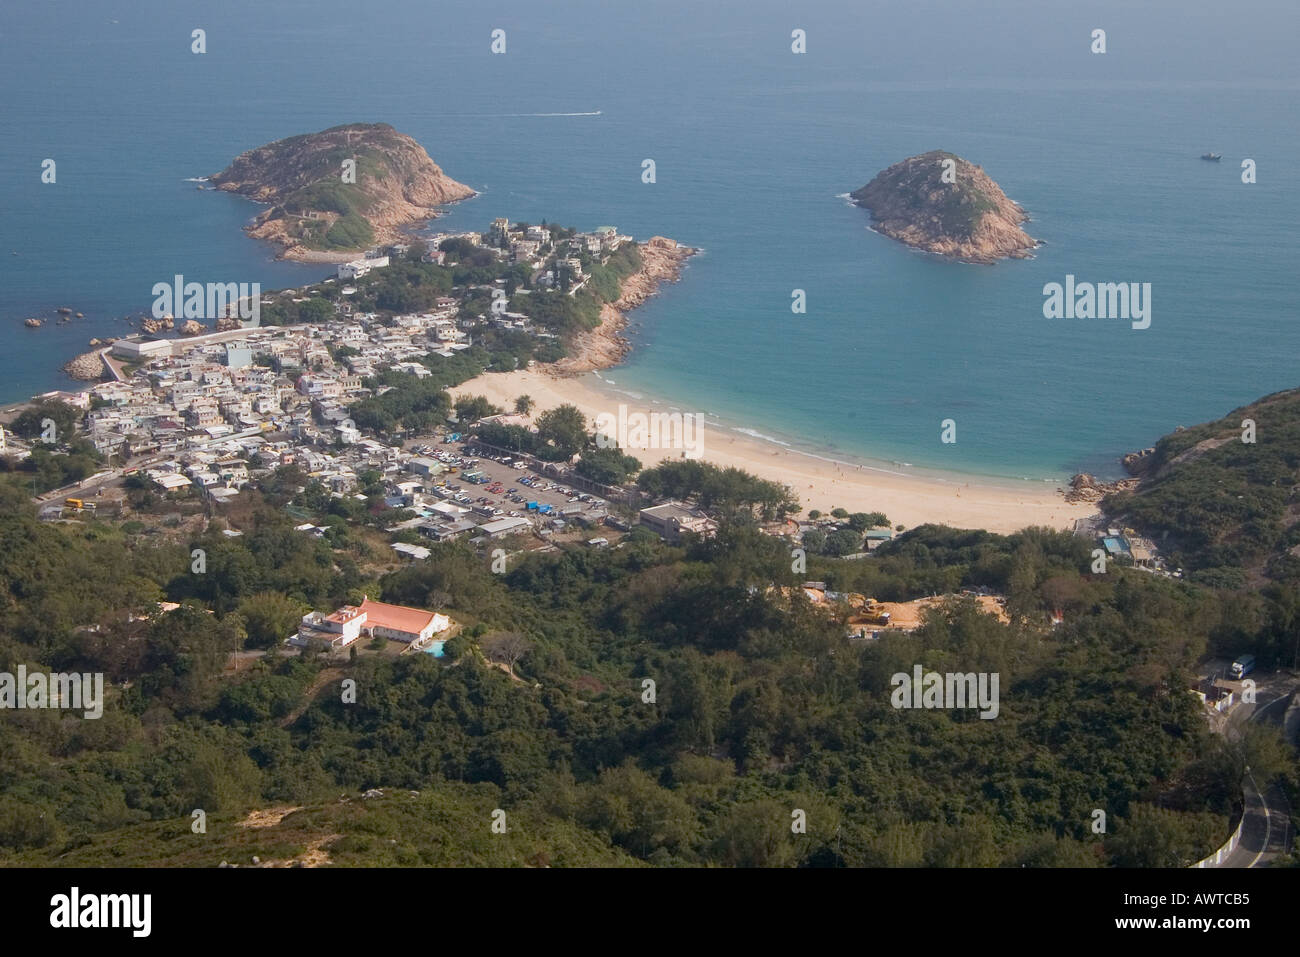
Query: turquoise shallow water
x=754, y=148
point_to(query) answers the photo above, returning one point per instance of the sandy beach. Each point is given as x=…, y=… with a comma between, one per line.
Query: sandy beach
x=909, y=500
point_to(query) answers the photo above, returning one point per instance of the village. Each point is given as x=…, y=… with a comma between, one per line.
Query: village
x=212, y=415
x=207, y=417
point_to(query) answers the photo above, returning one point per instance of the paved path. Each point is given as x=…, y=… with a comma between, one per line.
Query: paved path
x=1265, y=829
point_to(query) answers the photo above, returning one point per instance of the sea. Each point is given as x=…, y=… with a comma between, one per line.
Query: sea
x=754, y=148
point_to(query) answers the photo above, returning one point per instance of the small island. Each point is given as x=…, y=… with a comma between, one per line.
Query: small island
x=940, y=203
x=319, y=211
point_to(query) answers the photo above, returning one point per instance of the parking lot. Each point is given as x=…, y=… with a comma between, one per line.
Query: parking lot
x=507, y=488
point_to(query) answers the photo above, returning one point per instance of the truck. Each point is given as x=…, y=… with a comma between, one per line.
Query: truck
x=1243, y=666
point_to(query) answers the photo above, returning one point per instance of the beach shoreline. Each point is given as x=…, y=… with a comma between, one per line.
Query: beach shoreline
x=822, y=479
x=822, y=482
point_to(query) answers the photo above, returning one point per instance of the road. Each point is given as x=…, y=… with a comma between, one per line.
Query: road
x=1265, y=829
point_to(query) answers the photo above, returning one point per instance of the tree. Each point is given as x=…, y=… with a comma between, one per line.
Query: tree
x=270, y=617
x=1154, y=837
x=861, y=521
x=524, y=404
x=608, y=466
x=316, y=310
x=814, y=540
x=472, y=408
x=843, y=541
x=563, y=427
x=507, y=647
x=629, y=806
x=30, y=424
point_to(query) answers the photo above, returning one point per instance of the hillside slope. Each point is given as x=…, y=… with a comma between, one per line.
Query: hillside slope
x=314, y=214
x=1223, y=507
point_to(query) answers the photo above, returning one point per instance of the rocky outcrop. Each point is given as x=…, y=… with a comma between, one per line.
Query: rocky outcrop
x=942, y=204
x=33, y=323
x=1086, y=488
x=316, y=213
x=228, y=324
x=1138, y=463
x=192, y=328
x=87, y=367
x=661, y=261
x=154, y=326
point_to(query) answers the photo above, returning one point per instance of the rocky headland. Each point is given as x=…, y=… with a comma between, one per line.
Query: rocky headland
x=662, y=260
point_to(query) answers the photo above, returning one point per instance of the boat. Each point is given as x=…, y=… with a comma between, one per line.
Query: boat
x=1212, y=157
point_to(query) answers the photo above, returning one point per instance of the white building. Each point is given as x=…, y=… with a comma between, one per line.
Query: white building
x=359, y=267
x=142, y=349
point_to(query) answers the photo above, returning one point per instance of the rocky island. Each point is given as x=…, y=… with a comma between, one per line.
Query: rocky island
x=324, y=209
x=943, y=204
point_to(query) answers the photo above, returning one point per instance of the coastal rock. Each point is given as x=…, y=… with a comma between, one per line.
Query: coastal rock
x=228, y=324
x=661, y=261
x=313, y=215
x=1138, y=463
x=33, y=323
x=96, y=342
x=1086, y=488
x=81, y=315
x=968, y=219
x=192, y=328
x=87, y=367
x=152, y=326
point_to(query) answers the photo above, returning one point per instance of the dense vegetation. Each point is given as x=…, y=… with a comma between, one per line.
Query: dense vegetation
x=1220, y=504
x=760, y=706
x=1225, y=509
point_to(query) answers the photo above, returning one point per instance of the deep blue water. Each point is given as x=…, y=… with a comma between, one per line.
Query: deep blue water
x=754, y=147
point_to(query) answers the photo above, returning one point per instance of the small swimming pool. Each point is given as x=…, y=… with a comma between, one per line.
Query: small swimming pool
x=435, y=649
